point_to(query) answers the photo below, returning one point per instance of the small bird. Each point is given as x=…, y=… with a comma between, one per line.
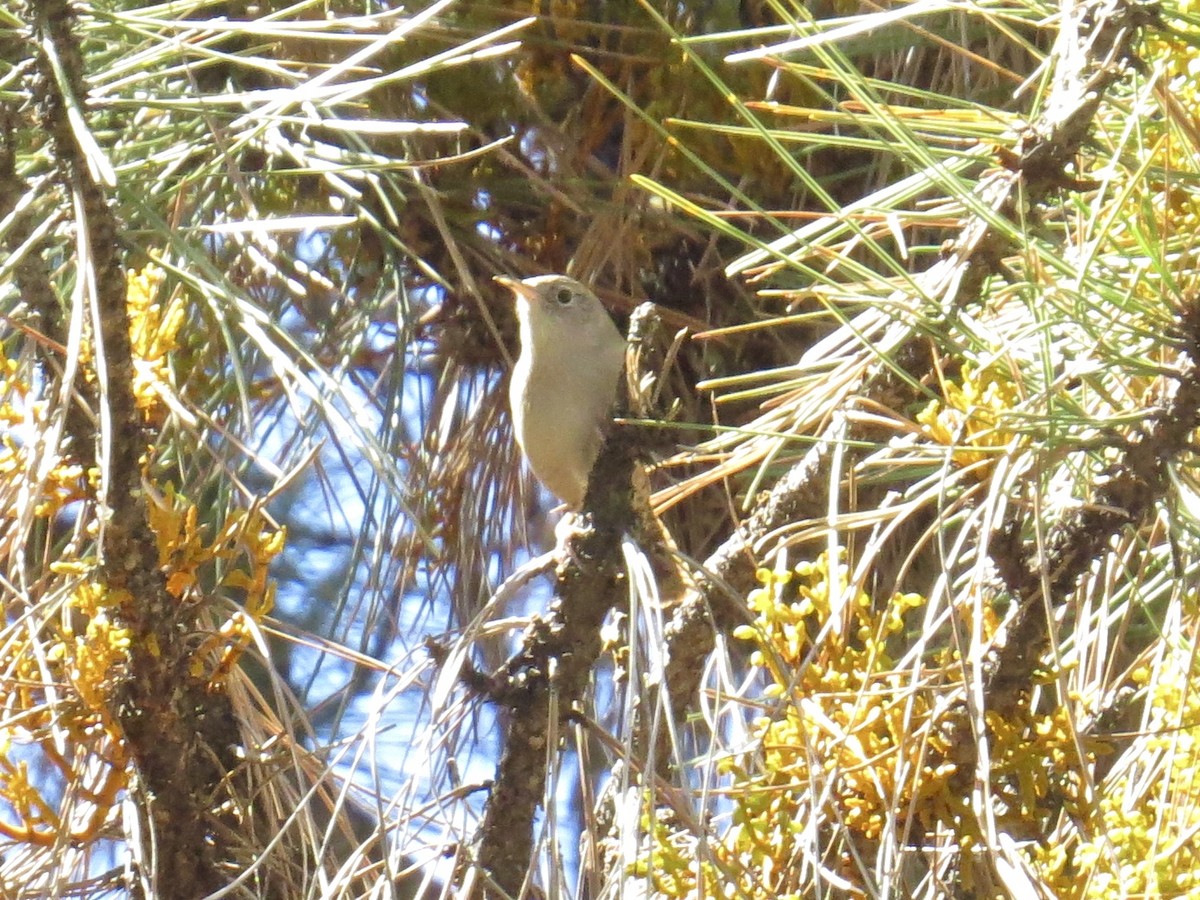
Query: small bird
x=565, y=380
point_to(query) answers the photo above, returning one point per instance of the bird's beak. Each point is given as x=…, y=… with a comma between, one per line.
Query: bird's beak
x=520, y=288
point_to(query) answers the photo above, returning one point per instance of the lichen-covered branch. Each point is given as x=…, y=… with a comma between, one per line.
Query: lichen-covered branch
x=179, y=732
x=551, y=671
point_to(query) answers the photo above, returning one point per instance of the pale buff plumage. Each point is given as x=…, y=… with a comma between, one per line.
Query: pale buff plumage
x=565, y=380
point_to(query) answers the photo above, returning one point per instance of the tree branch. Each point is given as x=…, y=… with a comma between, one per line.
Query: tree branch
x=1096, y=37
x=551, y=670
x=180, y=733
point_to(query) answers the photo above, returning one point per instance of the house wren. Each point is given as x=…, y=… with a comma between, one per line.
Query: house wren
x=565, y=380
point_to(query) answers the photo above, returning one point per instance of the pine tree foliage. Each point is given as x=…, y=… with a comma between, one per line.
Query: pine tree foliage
x=919, y=390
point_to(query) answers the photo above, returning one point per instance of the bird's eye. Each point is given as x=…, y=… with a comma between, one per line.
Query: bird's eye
x=564, y=296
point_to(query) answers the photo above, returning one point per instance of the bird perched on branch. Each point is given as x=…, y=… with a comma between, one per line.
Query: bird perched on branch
x=565, y=381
